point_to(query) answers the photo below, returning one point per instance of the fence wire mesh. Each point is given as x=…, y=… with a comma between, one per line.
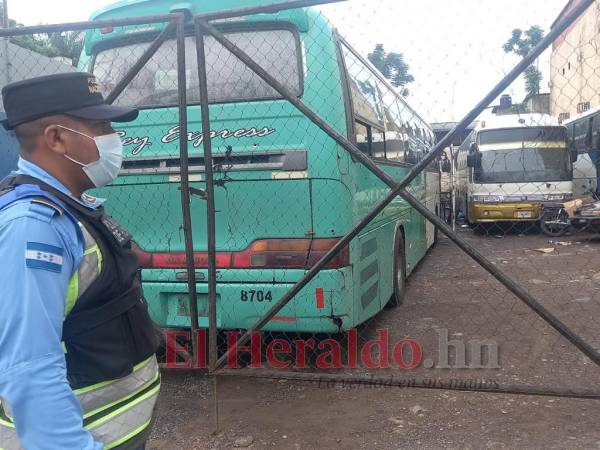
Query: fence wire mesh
x=348, y=320
x=401, y=302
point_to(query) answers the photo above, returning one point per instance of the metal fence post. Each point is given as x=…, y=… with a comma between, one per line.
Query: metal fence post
x=210, y=198
x=185, y=184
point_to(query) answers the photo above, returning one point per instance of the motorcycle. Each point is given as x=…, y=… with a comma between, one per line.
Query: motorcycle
x=570, y=217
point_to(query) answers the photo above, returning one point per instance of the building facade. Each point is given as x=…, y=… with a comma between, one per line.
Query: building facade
x=575, y=65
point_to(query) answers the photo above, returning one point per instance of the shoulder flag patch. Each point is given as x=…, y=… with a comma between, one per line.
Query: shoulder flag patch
x=44, y=256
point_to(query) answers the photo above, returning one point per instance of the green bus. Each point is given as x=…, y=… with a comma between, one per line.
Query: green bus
x=285, y=192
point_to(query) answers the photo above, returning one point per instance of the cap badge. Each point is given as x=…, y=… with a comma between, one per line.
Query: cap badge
x=93, y=86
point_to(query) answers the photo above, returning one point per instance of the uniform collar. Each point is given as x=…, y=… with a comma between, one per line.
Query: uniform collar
x=33, y=170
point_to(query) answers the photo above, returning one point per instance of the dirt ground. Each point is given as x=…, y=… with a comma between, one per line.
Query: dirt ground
x=447, y=292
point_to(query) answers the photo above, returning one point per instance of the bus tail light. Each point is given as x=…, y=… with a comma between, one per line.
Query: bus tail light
x=320, y=298
x=288, y=254
x=261, y=254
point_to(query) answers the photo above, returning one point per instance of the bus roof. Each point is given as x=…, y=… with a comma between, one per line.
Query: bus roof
x=387, y=83
x=588, y=113
x=517, y=121
x=141, y=8
x=138, y=8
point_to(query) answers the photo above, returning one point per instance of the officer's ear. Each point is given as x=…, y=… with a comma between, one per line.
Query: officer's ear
x=55, y=139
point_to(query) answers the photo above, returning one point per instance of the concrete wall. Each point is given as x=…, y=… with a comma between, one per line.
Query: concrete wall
x=539, y=104
x=19, y=64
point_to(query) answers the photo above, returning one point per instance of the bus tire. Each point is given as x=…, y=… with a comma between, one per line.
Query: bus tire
x=399, y=270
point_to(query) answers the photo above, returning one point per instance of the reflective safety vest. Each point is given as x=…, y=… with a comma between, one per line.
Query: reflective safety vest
x=108, y=336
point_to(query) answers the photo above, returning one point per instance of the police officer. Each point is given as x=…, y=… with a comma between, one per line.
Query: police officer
x=77, y=364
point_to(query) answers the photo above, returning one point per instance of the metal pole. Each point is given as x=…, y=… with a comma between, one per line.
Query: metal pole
x=452, y=189
x=399, y=188
x=210, y=199
x=423, y=383
x=6, y=43
x=5, y=14
x=185, y=184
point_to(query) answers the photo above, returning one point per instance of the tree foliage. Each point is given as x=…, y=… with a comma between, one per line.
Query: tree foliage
x=521, y=43
x=67, y=44
x=392, y=66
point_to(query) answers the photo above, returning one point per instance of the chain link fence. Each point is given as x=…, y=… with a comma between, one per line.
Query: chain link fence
x=313, y=260
x=357, y=205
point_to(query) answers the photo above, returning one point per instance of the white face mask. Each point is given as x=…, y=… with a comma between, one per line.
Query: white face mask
x=106, y=169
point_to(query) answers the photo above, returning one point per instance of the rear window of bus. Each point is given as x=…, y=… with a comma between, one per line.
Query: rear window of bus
x=229, y=80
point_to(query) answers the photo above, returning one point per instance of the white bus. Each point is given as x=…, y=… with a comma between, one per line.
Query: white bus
x=510, y=165
x=584, y=137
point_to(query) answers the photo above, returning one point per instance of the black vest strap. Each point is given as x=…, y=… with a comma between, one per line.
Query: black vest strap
x=84, y=321
x=72, y=203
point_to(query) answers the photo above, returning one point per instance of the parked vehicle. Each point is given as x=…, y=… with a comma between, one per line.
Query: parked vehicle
x=510, y=165
x=584, y=138
x=286, y=192
x=570, y=217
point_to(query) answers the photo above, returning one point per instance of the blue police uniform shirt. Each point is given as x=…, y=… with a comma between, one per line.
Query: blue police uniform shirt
x=40, y=250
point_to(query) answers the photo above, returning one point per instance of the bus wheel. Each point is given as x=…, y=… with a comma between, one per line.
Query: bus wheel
x=554, y=222
x=399, y=271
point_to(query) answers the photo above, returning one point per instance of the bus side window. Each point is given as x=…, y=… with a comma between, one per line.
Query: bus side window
x=365, y=95
x=363, y=138
x=596, y=132
x=581, y=133
x=370, y=140
x=412, y=153
x=394, y=135
x=394, y=146
x=378, y=143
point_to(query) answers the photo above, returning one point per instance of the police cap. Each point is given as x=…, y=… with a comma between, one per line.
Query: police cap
x=74, y=94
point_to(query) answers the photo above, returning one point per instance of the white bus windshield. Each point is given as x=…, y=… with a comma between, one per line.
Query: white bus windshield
x=523, y=155
x=229, y=80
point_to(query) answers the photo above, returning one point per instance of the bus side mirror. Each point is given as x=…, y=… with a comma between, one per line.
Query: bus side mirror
x=574, y=155
x=474, y=159
x=474, y=148
x=445, y=165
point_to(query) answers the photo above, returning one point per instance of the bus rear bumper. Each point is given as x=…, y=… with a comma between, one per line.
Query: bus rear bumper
x=504, y=212
x=324, y=306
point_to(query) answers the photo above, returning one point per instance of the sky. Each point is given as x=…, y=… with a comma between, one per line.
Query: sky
x=453, y=47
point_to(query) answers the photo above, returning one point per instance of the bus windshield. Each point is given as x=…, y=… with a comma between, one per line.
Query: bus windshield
x=523, y=155
x=229, y=80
